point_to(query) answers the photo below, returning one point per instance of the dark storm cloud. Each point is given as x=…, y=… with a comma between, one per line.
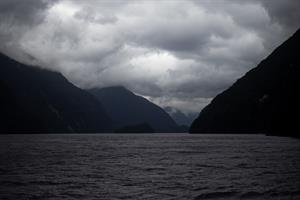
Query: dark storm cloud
x=176, y=53
x=16, y=17
x=20, y=11
x=285, y=13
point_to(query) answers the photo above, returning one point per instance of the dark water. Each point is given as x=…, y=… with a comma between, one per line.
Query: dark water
x=149, y=167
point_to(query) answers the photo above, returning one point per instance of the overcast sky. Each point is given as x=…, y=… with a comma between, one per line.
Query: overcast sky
x=178, y=53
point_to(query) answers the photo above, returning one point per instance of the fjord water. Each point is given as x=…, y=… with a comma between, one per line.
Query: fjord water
x=157, y=166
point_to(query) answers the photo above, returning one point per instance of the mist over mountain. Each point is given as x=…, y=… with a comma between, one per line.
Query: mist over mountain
x=265, y=100
x=180, y=117
x=40, y=101
x=128, y=109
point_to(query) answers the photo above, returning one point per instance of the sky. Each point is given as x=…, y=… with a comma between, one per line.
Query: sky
x=178, y=53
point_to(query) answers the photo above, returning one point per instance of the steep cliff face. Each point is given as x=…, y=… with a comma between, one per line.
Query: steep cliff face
x=127, y=109
x=265, y=100
x=39, y=101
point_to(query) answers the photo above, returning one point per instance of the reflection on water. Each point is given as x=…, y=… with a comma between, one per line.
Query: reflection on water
x=157, y=166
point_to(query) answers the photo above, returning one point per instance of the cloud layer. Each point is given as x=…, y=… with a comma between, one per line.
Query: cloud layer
x=176, y=53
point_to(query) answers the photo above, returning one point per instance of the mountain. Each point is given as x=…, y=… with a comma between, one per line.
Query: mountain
x=128, y=109
x=180, y=117
x=265, y=100
x=34, y=100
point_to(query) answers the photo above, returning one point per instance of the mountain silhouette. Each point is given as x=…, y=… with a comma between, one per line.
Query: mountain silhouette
x=265, y=100
x=128, y=109
x=34, y=100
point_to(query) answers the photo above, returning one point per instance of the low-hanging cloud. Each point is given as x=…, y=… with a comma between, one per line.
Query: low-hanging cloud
x=176, y=53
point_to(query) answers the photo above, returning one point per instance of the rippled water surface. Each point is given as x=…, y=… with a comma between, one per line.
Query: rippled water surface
x=156, y=166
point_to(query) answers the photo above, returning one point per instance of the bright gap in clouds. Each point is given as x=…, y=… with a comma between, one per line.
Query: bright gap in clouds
x=155, y=63
x=63, y=10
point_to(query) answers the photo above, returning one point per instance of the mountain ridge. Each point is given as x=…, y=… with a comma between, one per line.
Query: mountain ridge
x=264, y=100
x=35, y=100
x=128, y=109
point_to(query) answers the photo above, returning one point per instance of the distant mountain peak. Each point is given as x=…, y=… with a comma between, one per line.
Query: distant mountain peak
x=128, y=109
x=180, y=117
